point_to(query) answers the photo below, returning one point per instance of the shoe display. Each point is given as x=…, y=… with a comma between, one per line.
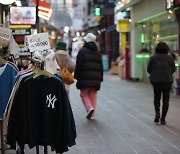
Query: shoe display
x=156, y=120
x=89, y=114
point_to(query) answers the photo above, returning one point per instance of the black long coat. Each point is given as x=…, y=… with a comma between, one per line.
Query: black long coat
x=89, y=67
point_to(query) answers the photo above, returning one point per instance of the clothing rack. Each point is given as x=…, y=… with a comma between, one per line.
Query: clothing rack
x=2, y=121
x=2, y=137
x=40, y=64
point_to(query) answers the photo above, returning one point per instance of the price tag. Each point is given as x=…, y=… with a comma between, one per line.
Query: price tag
x=5, y=36
x=38, y=42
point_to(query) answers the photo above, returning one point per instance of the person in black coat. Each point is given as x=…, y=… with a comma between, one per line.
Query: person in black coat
x=161, y=67
x=89, y=73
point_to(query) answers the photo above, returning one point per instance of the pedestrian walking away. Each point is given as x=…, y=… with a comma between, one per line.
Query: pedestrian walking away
x=89, y=74
x=161, y=67
x=63, y=56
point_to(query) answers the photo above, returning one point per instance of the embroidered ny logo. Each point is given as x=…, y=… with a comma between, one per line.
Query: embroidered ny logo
x=50, y=101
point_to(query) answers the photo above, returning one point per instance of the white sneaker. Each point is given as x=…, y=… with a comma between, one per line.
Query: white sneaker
x=92, y=118
x=89, y=114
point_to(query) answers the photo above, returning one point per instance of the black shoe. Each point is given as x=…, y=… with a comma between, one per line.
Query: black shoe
x=163, y=122
x=156, y=120
x=89, y=114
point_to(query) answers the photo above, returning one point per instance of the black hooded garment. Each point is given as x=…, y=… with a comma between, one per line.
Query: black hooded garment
x=89, y=67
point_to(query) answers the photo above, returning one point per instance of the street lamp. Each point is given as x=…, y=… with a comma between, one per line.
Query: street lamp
x=7, y=2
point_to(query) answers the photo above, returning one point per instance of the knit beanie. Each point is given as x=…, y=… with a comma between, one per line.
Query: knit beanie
x=61, y=46
x=90, y=37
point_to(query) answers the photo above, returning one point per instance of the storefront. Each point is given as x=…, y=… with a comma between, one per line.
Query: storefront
x=122, y=21
x=151, y=23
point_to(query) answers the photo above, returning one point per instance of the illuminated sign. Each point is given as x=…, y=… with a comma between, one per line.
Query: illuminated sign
x=123, y=25
x=23, y=15
x=7, y=2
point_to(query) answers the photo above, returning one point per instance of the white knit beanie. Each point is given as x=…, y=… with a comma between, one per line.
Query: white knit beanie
x=90, y=37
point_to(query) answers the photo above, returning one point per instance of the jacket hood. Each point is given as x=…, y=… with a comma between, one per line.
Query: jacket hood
x=91, y=45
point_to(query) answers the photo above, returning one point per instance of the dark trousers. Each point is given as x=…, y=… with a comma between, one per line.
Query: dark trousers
x=161, y=90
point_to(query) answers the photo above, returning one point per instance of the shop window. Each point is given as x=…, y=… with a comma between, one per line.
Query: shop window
x=163, y=28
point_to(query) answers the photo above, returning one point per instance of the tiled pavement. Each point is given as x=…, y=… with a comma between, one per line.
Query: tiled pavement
x=124, y=122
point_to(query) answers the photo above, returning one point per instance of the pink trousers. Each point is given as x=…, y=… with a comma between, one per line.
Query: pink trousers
x=89, y=98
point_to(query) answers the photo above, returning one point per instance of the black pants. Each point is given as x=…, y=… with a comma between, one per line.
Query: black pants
x=164, y=90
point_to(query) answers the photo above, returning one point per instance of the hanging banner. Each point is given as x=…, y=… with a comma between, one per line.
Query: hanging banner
x=38, y=42
x=123, y=25
x=5, y=36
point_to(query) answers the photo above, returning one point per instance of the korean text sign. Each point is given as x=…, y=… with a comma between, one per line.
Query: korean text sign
x=5, y=36
x=38, y=42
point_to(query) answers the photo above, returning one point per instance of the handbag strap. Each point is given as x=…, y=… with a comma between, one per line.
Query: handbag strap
x=59, y=61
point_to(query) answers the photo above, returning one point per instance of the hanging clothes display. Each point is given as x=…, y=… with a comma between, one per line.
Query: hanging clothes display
x=7, y=79
x=40, y=112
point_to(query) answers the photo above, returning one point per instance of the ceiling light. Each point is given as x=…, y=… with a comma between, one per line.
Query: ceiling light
x=6, y=2
x=18, y=3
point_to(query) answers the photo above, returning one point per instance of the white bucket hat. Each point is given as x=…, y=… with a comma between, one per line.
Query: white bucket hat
x=90, y=37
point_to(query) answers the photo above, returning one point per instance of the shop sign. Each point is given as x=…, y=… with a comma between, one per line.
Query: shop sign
x=19, y=36
x=21, y=31
x=19, y=26
x=5, y=36
x=123, y=25
x=23, y=15
x=38, y=42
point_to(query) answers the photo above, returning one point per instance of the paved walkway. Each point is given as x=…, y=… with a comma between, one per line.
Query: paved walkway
x=124, y=122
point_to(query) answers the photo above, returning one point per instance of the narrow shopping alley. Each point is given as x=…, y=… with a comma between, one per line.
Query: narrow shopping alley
x=49, y=46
